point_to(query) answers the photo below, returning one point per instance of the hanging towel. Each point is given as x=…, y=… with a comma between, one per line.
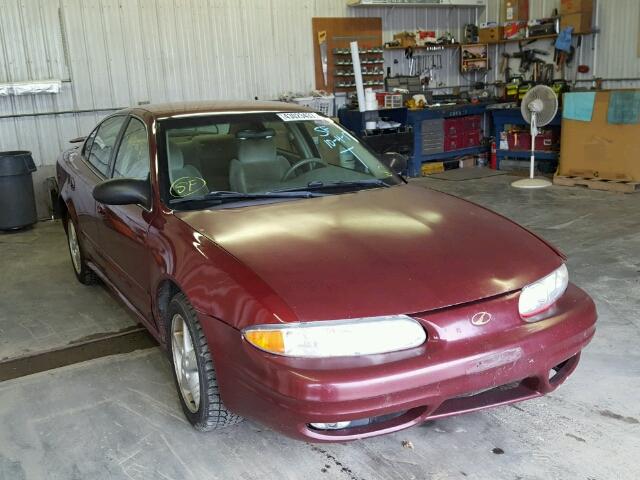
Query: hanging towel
x=578, y=105
x=563, y=42
x=624, y=107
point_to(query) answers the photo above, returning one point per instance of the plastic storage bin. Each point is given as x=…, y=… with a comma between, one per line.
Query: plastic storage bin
x=17, y=202
x=322, y=105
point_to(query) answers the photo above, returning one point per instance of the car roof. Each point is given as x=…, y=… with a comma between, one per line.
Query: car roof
x=160, y=110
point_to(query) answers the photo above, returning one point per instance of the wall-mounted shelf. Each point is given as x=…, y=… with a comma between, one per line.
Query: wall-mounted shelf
x=531, y=39
x=362, y=62
x=418, y=3
x=361, y=51
x=336, y=35
x=364, y=74
x=474, y=57
x=427, y=47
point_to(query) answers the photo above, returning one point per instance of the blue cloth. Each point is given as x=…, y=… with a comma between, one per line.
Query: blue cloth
x=563, y=42
x=578, y=106
x=624, y=107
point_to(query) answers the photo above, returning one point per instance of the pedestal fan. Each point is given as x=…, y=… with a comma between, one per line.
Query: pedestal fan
x=538, y=108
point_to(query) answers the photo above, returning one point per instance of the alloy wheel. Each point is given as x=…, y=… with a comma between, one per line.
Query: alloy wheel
x=185, y=363
x=74, y=248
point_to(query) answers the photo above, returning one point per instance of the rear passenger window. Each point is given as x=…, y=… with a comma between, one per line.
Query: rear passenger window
x=103, y=143
x=132, y=160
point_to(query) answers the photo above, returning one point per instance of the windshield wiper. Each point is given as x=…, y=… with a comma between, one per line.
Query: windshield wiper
x=222, y=196
x=318, y=185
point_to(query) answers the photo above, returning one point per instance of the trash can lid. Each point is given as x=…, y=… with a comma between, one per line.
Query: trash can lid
x=16, y=162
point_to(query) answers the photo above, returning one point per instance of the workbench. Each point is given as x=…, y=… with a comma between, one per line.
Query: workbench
x=512, y=116
x=415, y=118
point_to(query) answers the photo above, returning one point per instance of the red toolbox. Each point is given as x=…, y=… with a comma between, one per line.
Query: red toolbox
x=454, y=126
x=521, y=140
x=547, y=140
x=453, y=142
x=472, y=122
x=473, y=138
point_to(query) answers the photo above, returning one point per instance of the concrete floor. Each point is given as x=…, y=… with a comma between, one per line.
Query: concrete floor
x=119, y=418
x=42, y=306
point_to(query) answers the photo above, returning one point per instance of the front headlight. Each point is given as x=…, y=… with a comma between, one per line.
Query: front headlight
x=338, y=338
x=536, y=297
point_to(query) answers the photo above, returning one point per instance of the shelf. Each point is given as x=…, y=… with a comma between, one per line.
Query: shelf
x=540, y=155
x=377, y=51
x=371, y=62
x=363, y=74
x=439, y=46
x=417, y=4
x=432, y=157
x=353, y=87
x=539, y=37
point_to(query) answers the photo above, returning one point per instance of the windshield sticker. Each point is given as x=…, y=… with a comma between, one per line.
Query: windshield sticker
x=299, y=116
x=185, y=186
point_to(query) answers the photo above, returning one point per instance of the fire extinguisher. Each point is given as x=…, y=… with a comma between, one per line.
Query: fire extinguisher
x=493, y=160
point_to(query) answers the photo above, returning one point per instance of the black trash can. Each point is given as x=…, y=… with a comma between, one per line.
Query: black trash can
x=17, y=202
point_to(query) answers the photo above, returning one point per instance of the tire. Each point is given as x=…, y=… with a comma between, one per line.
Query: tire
x=84, y=274
x=200, y=401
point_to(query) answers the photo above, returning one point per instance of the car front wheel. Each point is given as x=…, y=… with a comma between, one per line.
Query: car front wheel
x=193, y=369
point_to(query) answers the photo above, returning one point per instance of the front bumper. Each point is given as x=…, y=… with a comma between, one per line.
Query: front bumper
x=461, y=368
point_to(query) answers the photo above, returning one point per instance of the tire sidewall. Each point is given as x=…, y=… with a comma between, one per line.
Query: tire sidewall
x=84, y=270
x=176, y=307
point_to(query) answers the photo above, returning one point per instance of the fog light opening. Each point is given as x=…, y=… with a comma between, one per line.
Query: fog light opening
x=555, y=371
x=330, y=426
x=362, y=422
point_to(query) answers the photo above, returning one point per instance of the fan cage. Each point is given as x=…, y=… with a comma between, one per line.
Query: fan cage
x=550, y=104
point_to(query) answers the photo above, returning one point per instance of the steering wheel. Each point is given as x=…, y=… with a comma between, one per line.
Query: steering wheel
x=301, y=163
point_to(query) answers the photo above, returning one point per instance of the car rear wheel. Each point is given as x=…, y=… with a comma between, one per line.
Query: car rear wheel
x=193, y=369
x=83, y=273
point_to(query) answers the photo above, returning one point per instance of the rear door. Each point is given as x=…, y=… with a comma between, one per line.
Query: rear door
x=91, y=166
x=122, y=229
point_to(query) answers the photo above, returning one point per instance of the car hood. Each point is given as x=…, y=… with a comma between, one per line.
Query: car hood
x=404, y=249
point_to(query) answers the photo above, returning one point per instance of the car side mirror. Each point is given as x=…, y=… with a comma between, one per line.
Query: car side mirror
x=123, y=191
x=395, y=161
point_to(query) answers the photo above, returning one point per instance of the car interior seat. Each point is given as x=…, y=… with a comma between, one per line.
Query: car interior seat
x=215, y=153
x=177, y=167
x=257, y=166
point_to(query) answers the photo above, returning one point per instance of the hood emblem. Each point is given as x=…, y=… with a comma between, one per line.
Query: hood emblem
x=481, y=318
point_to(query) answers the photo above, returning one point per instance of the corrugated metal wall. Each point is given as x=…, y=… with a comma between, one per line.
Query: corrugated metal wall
x=114, y=53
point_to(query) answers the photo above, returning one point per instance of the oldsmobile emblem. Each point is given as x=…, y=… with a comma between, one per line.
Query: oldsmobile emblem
x=481, y=318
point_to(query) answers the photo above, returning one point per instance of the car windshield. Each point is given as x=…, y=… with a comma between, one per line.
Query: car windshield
x=246, y=156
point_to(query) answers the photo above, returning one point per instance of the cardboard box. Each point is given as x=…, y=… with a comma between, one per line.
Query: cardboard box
x=581, y=22
x=599, y=149
x=490, y=35
x=514, y=10
x=406, y=39
x=514, y=30
x=575, y=6
x=467, y=163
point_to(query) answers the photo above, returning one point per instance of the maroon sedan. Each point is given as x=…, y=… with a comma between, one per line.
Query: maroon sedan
x=296, y=280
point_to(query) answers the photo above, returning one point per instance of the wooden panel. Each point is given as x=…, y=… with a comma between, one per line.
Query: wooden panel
x=340, y=33
x=599, y=149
